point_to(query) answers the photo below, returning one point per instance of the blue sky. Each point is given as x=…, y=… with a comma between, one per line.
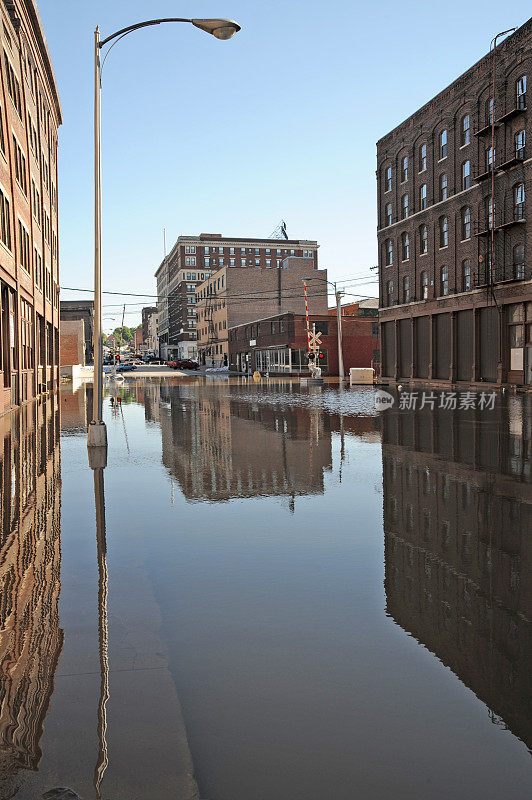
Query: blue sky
x=230, y=137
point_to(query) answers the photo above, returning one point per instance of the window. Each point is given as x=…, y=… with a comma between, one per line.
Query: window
x=388, y=214
x=490, y=158
x=443, y=186
x=221, y=251
x=424, y=285
x=489, y=212
x=207, y=250
x=37, y=265
x=443, y=143
x=387, y=179
x=466, y=223
x=516, y=331
x=20, y=165
x=406, y=289
x=466, y=175
x=207, y=261
x=466, y=275
x=444, y=232
x=465, y=131
x=444, y=281
x=242, y=251
x=5, y=220
x=268, y=251
x=388, y=252
x=423, y=240
x=423, y=158
x=231, y=251
x=231, y=262
x=36, y=202
x=243, y=262
x=257, y=262
x=24, y=248
x=404, y=169
x=221, y=262
x=519, y=201
x=520, y=90
x=292, y=252
x=13, y=85
x=405, y=246
x=26, y=334
x=268, y=262
x=423, y=196
x=490, y=110
x=390, y=293
x=404, y=206
x=520, y=145
x=519, y=261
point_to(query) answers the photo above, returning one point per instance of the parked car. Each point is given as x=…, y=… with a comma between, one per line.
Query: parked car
x=127, y=366
x=185, y=363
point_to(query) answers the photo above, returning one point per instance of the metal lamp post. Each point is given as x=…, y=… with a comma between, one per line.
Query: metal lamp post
x=220, y=29
x=338, y=295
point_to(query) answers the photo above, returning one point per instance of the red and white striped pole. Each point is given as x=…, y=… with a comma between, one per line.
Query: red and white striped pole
x=306, y=313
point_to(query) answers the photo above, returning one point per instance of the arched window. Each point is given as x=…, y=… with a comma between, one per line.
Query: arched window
x=520, y=145
x=423, y=158
x=520, y=91
x=465, y=130
x=519, y=261
x=404, y=169
x=404, y=206
x=390, y=293
x=444, y=232
x=388, y=252
x=423, y=240
x=519, y=201
x=444, y=192
x=406, y=289
x=466, y=275
x=424, y=285
x=466, y=223
x=388, y=214
x=443, y=143
x=422, y=196
x=466, y=175
x=405, y=246
x=387, y=179
x=444, y=281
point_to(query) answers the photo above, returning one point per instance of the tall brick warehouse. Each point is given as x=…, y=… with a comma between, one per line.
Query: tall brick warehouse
x=454, y=263
x=29, y=270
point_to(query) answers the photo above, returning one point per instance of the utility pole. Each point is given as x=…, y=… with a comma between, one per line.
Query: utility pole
x=340, y=344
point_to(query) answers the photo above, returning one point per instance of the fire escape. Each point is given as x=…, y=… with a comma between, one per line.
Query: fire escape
x=504, y=206
x=212, y=332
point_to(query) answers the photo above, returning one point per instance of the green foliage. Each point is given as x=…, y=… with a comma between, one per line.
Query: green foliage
x=127, y=334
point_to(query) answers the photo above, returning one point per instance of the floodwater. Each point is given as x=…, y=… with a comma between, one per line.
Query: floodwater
x=272, y=592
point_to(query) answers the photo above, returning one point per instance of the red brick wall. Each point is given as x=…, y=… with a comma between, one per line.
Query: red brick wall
x=71, y=343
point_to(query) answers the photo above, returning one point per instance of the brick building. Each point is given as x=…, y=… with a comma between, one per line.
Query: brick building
x=454, y=269
x=83, y=310
x=192, y=260
x=29, y=272
x=146, y=314
x=278, y=345
x=237, y=295
x=72, y=343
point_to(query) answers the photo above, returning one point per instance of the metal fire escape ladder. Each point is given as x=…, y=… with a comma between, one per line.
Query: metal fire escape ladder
x=213, y=336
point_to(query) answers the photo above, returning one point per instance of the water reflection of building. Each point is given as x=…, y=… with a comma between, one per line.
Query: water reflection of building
x=219, y=447
x=458, y=552
x=30, y=556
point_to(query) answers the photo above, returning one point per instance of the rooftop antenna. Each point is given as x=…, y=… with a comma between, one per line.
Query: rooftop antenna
x=279, y=232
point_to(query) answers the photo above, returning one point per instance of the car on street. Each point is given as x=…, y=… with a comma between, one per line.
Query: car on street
x=126, y=366
x=183, y=363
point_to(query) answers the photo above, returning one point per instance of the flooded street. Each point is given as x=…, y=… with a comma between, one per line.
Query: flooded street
x=272, y=592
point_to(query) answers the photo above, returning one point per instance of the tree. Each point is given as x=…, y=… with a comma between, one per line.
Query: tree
x=123, y=335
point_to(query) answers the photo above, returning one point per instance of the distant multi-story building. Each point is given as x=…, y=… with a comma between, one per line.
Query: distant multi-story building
x=193, y=260
x=80, y=310
x=237, y=295
x=147, y=313
x=29, y=271
x=453, y=230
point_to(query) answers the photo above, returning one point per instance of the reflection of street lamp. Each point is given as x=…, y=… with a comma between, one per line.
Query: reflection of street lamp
x=338, y=295
x=219, y=28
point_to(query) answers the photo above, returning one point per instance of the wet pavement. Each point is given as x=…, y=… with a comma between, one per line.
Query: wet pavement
x=270, y=593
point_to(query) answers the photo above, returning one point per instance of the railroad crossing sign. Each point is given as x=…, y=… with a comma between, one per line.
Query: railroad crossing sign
x=314, y=338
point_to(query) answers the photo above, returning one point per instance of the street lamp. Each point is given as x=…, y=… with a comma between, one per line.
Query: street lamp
x=338, y=294
x=220, y=29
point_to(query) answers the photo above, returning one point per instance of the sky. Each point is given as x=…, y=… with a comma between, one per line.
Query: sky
x=230, y=137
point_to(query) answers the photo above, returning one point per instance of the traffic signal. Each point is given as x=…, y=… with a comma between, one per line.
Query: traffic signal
x=320, y=355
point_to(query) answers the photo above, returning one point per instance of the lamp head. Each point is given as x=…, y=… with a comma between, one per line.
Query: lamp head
x=220, y=28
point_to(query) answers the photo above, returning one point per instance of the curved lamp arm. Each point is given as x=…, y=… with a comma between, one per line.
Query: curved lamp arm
x=220, y=28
